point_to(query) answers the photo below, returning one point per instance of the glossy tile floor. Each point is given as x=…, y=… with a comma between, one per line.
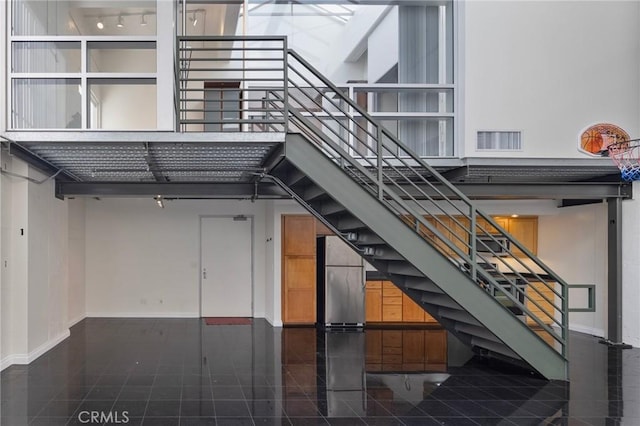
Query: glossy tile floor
x=182, y=372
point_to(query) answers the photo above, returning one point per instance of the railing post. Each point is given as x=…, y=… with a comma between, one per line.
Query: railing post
x=472, y=235
x=176, y=83
x=285, y=78
x=379, y=135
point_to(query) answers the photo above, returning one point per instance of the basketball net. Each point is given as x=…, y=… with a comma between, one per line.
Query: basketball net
x=626, y=155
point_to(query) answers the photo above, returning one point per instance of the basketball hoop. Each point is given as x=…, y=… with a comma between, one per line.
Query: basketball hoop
x=626, y=155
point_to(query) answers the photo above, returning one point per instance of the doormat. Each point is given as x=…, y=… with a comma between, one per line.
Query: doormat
x=227, y=321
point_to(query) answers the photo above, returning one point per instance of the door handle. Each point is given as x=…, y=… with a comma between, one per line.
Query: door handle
x=204, y=274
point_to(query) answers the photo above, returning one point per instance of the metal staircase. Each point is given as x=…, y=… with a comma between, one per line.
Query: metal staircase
x=411, y=223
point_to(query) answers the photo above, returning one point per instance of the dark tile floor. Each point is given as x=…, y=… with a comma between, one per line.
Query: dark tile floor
x=182, y=372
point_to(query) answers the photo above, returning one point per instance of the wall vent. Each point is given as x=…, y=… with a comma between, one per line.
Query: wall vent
x=499, y=141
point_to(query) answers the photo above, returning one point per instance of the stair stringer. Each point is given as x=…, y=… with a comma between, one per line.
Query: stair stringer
x=507, y=328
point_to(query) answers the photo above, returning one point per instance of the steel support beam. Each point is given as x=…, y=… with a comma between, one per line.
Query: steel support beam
x=38, y=162
x=542, y=191
x=614, y=266
x=169, y=190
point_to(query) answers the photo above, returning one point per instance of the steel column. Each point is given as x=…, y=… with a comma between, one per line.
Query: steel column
x=614, y=266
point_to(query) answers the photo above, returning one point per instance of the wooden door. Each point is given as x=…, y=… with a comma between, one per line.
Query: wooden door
x=222, y=106
x=298, y=269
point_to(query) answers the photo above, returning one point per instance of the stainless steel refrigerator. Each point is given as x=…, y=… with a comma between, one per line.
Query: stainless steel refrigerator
x=341, y=284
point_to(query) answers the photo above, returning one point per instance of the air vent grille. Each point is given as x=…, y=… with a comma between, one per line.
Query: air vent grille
x=499, y=141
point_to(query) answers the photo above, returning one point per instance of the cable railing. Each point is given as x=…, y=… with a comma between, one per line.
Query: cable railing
x=275, y=90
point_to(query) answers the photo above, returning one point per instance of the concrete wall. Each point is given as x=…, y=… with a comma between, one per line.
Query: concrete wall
x=549, y=69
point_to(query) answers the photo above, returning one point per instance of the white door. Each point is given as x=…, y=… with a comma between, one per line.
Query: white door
x=226, y=267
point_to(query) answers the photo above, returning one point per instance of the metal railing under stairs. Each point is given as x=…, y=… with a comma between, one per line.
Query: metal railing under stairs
x=294, y=97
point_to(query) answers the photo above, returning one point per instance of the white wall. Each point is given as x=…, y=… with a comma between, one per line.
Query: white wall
x=77, y=259
x=128, y=107
x=34, y=262
x=631, y=268
x=383, y=44
x=574, y=244
x=48, y=255
x=138, y=255
x=15, y=285
x=549, y=69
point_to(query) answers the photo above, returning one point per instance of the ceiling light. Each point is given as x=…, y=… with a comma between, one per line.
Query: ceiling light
x=159, y=201
x=514, y=215
x=100, y=24
x=143, y=21
x=194, y=19
x=120, y=23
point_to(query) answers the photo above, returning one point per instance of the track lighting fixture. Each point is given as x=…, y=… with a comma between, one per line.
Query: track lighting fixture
x=143, y=21
x=100, y=23
x=194, y=19
x=120, y=23
x=159, y=201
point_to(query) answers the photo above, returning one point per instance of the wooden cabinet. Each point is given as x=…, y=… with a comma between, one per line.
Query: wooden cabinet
x=391, y=302
x=298, y=269
x=525, y=230
x=373, y=301
x=386, y=303
x=537, y=291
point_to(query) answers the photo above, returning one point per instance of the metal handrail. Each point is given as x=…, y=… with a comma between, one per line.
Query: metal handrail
x=297, y=94
x=393, y=156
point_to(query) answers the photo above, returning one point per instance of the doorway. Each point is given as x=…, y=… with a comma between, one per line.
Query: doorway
x=226, y=266
x=222, y=105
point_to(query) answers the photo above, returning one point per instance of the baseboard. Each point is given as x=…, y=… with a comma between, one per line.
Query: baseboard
x=143, y=315
x=40, y=350
x=76, y=320
x=587, y=330
x=10, y=360
x=273, y=323
x=34, y=354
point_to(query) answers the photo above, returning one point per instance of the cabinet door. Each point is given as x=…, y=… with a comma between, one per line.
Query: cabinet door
x=299, y=292
x=373, y=301
x=538, y=291
x=411, y=311
x=298, y=269
x=459, y=234
x=525, y=230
